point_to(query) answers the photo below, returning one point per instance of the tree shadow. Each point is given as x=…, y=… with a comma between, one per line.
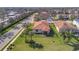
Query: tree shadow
x=76, y=38
x=74, y=45
x=33, y=44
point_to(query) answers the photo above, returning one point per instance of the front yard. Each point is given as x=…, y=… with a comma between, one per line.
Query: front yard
x=53, y=43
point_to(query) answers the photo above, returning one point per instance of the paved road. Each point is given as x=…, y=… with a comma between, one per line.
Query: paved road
x=7, y=37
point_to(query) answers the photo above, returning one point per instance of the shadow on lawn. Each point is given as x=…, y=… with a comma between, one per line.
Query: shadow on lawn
x=33, y=44
x=74, y=45
x=69, y=39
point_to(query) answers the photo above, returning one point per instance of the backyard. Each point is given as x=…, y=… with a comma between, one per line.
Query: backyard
x=52, y=43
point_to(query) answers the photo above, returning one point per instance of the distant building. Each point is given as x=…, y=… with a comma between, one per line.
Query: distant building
x=12, y=14
x=44, y=15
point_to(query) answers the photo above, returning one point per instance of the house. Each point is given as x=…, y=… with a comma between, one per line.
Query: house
x=63, y=25
x=76, y=22
x=44, y=15
x=41, y=27
x=62, y=17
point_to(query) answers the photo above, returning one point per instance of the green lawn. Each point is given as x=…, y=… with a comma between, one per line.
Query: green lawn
x=54, y=43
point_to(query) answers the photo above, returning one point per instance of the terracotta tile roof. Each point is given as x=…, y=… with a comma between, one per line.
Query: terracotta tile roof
x=62, y=25
x=41, y=25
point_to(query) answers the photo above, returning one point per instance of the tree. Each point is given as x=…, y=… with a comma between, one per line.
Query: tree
x=28, y=31
x=67, y=35
x=31, y=34
x=25, y=31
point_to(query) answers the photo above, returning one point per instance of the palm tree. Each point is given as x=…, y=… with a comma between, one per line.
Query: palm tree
x=67, y=35
x=28, y=31
x=31, y=34
x=25, y=31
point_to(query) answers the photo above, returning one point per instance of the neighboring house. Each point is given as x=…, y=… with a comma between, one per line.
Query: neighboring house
x=62, y=25
x=76, y=22
x=41, y=27
x=62, y=17
x=44, y=14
